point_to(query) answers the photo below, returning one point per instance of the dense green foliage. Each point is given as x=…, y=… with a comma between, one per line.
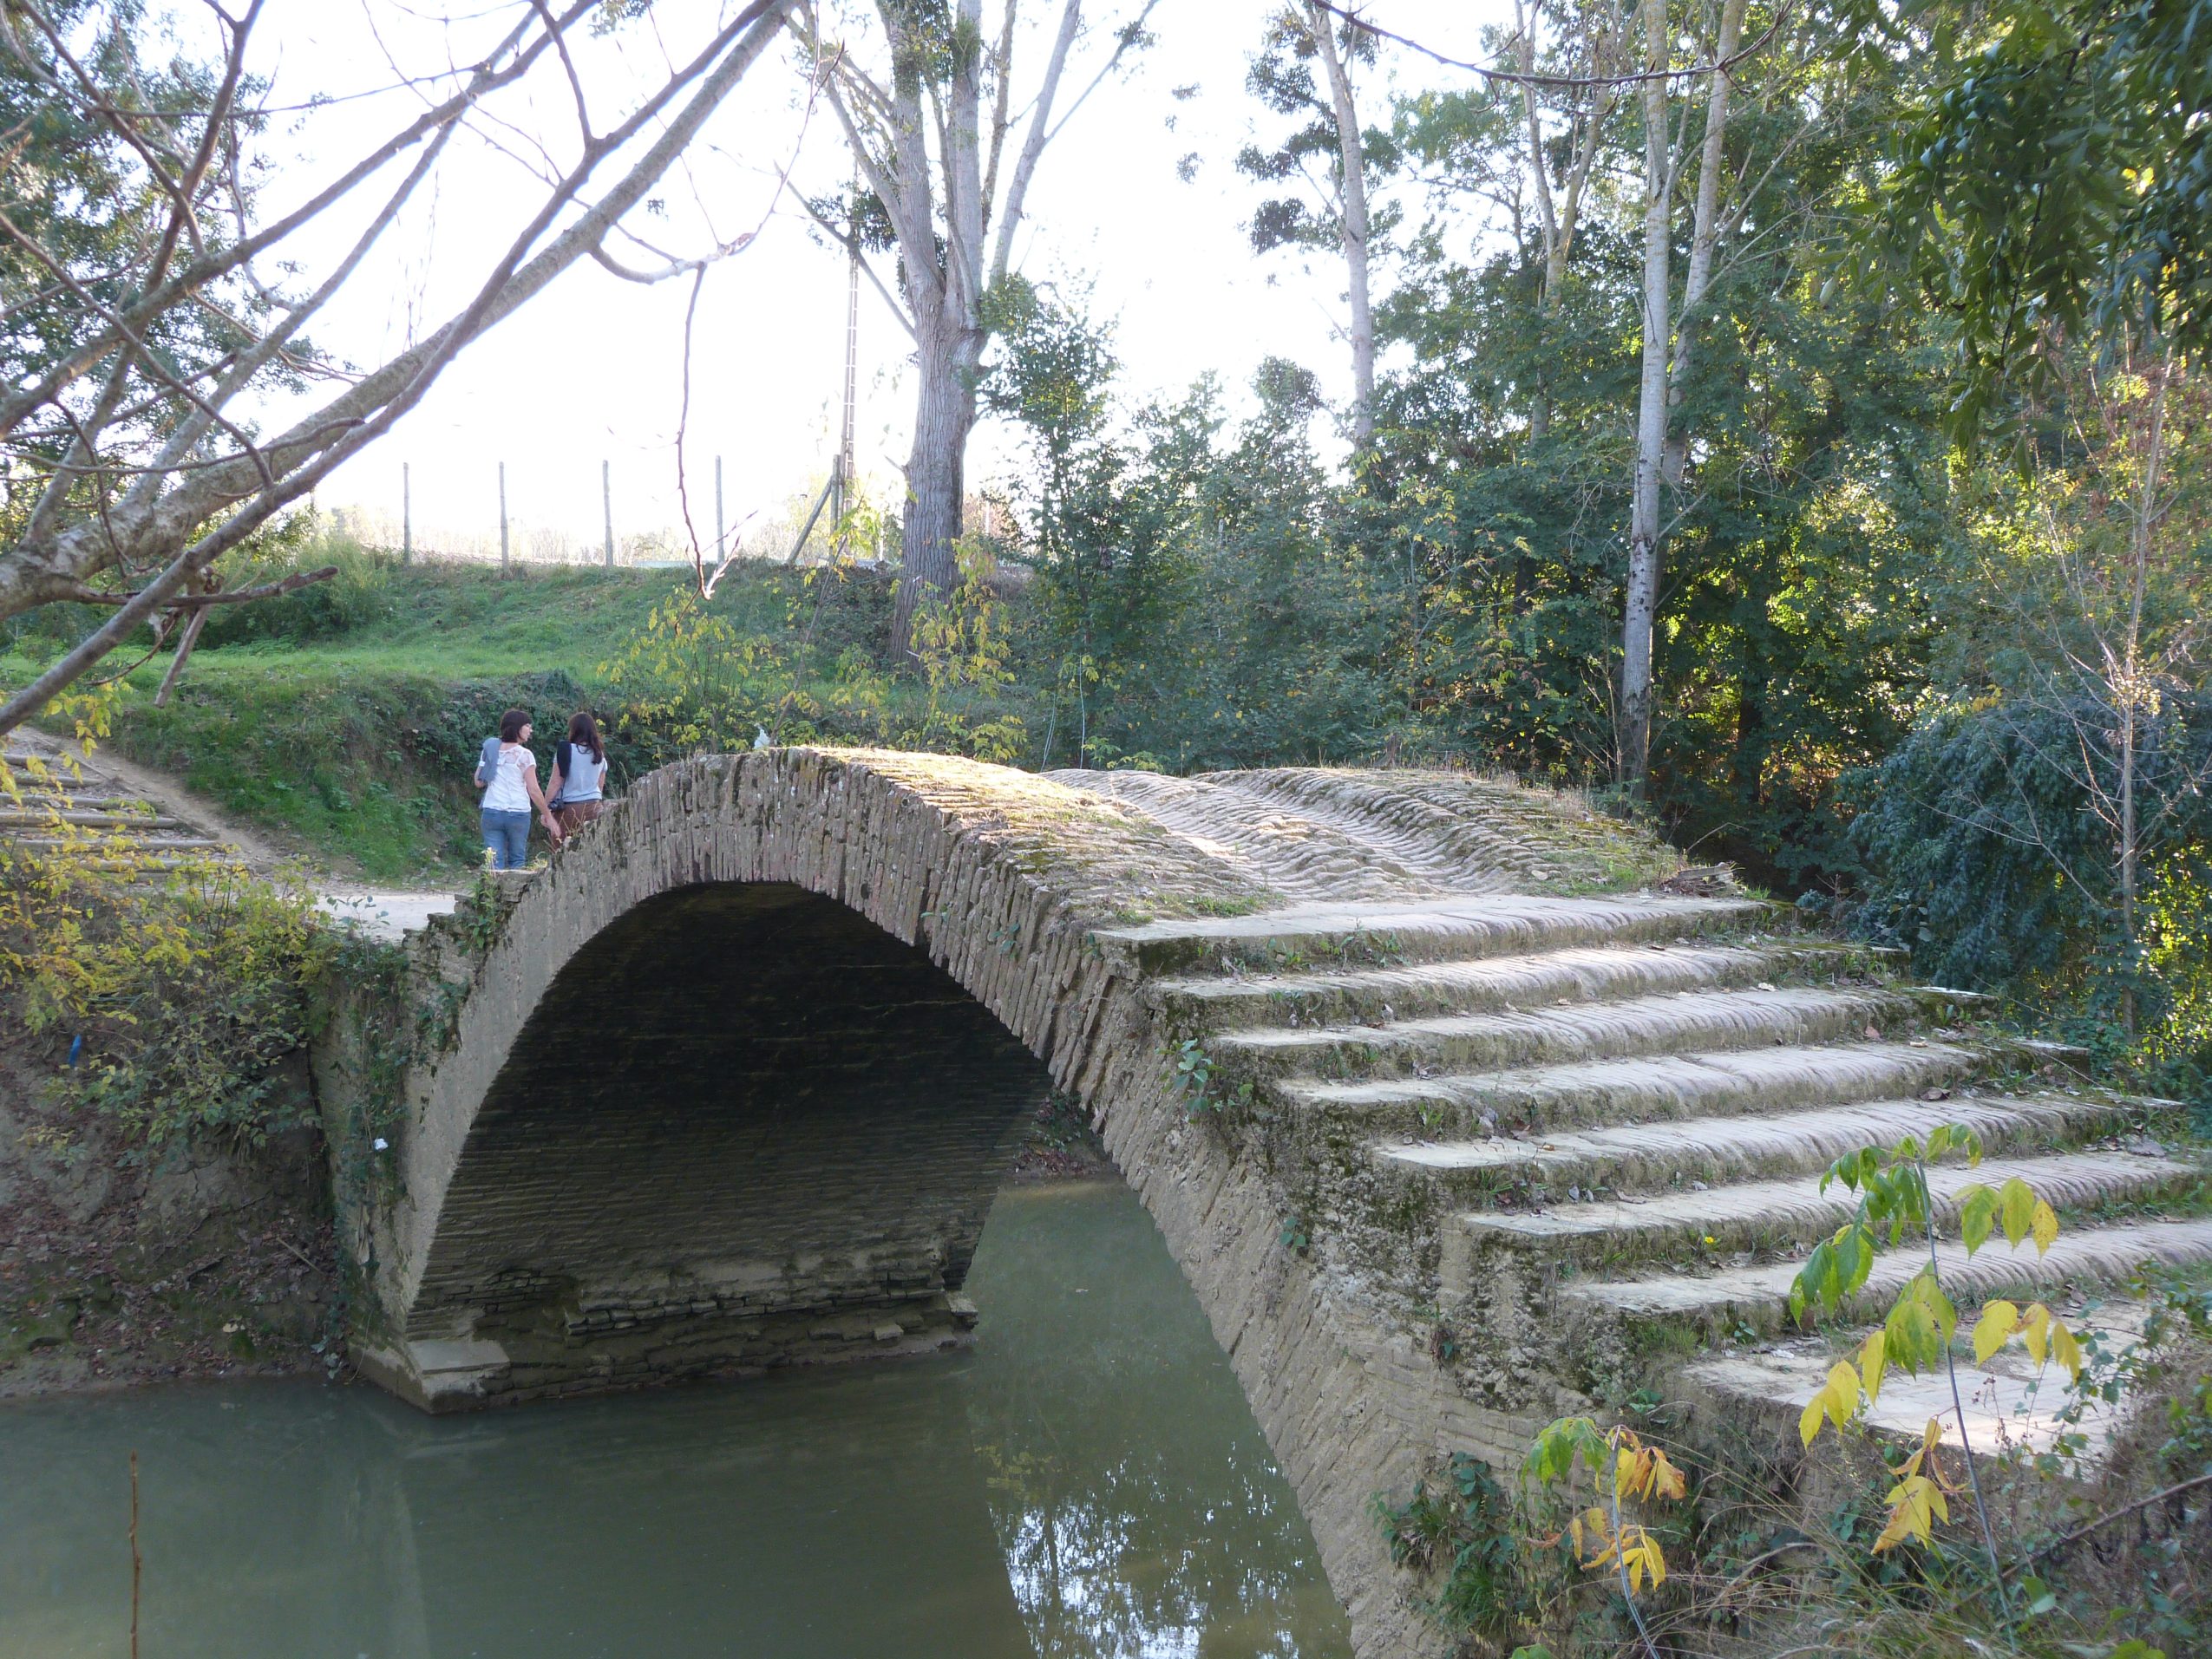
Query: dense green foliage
x=186, y=993
x=2053, y=176
x=1994, y=869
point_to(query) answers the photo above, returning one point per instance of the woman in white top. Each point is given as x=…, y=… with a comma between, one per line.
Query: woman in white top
x=579, y=774
x=510, y=792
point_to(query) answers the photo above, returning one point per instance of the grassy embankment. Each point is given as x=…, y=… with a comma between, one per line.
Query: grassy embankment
x=343, y=720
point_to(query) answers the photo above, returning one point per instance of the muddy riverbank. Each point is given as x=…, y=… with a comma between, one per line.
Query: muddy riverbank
x=122, y=1262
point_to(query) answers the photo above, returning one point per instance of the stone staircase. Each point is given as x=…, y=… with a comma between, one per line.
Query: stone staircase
x=64, y=803
x=1570, y=1148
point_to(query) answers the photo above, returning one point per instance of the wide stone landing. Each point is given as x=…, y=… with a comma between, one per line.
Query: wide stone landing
x=1459, y=1106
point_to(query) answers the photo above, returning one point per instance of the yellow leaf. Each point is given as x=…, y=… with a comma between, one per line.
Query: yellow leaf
x=1627, y=1474
x=1593, y=1540
x=1841, y=1394
x=2068, y=1350
x=1915, y=1505
x=1808, y=1423
x=1873, y=1359
x=1667, y=1480
x=1930, y=1437
x=1641, y=1557
x=2045, y=1227
x=2037, y=1334
x=1998, y=1320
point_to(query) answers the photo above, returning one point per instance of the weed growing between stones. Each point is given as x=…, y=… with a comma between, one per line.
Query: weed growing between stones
x=365, y=1129
x=1466, y=1530
x=1196, y=1078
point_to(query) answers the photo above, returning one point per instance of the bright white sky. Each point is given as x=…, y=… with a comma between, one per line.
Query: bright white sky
x=590, y=370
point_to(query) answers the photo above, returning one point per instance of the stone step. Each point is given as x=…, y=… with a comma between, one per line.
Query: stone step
x=1679, y=1227
x=1324, y=936
x=1758, y=1297
x=163, y=863
x=1658, y=1087
x=149, y=820
x=76, y=797
x=2010, y=1404
x=156, y=842
x=1718, y=1149
x=1643, y=1025
x=1576, y=974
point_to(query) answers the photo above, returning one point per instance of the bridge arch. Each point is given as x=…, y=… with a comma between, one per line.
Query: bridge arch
x=743, y=1126
x=926, y=944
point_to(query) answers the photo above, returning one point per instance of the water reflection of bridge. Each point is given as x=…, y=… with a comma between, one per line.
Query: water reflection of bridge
x=1087, y=1481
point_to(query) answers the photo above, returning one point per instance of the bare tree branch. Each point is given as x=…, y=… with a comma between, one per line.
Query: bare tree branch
x=202, y=513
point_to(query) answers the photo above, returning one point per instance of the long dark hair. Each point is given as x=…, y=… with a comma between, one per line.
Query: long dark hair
x=584, y=733
x=511, y=725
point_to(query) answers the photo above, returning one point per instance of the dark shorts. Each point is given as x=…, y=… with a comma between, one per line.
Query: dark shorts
x=572, y=815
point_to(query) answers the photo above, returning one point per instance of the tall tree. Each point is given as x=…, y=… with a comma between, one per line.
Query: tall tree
x=940, y=170
x=1529, y=147
x=2052, y=180
x=1669, y=330
x=1593, y=43
x=1337, y=211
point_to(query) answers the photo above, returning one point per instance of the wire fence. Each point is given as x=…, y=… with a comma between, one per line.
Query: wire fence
x=796, y=529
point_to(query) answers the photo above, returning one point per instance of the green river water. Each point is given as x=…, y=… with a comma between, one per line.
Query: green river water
x=1086, y=1482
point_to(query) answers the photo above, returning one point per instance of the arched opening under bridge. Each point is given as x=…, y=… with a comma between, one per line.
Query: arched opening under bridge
x=743, y=1126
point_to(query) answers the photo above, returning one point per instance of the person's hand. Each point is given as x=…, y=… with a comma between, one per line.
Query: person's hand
x=553, y=828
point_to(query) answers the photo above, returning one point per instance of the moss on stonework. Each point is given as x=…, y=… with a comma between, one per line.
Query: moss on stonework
x=1105, y=861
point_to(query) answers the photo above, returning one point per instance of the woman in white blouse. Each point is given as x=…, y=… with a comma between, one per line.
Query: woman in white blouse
x=510, y=791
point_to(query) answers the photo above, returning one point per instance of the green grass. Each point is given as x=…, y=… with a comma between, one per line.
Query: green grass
x=323, y=755
x=342, y=721
x=452, y=621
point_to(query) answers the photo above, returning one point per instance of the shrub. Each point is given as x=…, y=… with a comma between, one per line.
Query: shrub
x=190, y=992
x=1991, y=854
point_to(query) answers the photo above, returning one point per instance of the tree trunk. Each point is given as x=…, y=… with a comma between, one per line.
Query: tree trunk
x=936, y=465
x=2145, y=516
x=942, y=223
x=1540, y=402
x=1642, y=601
x=1354, y=168
x=1705, y=235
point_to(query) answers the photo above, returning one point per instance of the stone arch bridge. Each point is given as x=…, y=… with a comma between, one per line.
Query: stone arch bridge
x=1501, y=1114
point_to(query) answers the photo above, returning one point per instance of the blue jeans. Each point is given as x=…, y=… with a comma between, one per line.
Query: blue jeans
x=506, y=837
